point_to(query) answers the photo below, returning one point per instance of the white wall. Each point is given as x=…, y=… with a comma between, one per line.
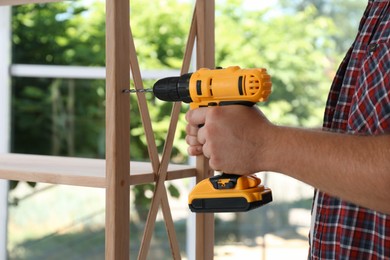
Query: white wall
x=5, y=49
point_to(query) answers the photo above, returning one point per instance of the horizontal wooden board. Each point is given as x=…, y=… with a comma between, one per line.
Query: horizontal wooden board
x=77, y=171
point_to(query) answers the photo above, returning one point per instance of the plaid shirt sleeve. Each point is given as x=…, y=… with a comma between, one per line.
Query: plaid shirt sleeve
x=358, y=103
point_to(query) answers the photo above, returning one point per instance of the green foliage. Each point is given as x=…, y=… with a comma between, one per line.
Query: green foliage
x=47, y=111
x=160, y=30
x=346, y=14
x=296, y=48
x=61, y=33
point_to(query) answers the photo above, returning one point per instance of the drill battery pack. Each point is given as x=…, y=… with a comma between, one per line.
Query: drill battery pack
x=229, y=193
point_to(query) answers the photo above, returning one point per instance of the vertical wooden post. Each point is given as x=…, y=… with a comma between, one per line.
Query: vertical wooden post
x=205, y=16
x=117, y=130
x=205, y=48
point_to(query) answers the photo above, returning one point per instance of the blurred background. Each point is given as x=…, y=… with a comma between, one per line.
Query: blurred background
x=300, y=42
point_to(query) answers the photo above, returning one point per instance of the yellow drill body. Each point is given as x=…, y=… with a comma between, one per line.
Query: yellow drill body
x=231, y=85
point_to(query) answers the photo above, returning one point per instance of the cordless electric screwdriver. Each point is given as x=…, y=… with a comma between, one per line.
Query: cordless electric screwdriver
x=219, y=87
x=216, y=87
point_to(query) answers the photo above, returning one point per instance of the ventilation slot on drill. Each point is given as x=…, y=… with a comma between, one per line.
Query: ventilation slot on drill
x=211, y=86
x=240, y=87
x=199, y=87
x=253, y=85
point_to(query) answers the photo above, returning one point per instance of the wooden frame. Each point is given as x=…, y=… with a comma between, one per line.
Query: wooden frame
x=113, y=172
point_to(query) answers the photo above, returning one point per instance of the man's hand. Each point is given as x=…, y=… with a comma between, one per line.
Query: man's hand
x=229, y=136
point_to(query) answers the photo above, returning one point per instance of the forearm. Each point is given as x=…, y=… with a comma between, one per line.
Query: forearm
x=354, y=168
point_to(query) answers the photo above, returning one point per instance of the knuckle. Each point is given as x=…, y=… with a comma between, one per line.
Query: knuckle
x=188, y=116
x=188, y=141
x=191, y=140
x=188, y=129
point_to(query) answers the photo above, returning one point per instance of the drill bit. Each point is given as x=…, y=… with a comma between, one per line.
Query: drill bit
x=143, y=90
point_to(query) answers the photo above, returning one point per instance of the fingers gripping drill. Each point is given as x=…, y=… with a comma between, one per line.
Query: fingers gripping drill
x=219, y=87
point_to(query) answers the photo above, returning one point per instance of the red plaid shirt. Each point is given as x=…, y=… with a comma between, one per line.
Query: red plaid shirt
x=358, y=103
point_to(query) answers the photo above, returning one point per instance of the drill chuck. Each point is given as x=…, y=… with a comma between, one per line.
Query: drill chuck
x=173, y=88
